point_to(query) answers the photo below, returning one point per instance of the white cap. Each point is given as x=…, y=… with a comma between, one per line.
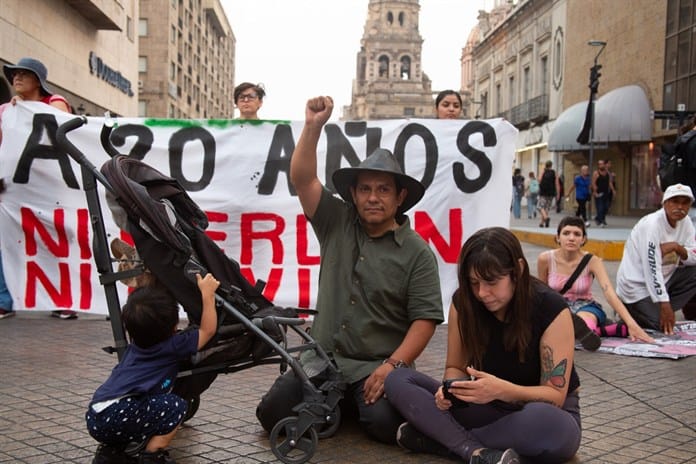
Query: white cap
x=677, y=190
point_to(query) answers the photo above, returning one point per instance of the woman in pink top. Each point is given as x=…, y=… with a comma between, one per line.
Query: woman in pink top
x=556, y=266
x=28, y=78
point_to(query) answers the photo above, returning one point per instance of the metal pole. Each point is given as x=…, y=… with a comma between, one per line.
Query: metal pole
x=592, y=197
x=602, y=44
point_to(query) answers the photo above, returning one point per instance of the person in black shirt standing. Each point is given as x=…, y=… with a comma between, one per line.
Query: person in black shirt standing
x=602, y=189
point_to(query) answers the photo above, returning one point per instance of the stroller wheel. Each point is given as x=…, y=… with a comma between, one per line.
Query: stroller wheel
x=192, y=409
x=333, y=421
x=290, y=448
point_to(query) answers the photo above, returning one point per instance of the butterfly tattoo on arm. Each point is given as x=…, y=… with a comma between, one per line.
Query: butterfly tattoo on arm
x=549, y=372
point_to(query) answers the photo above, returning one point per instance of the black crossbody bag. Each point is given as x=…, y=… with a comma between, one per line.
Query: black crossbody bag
x=581, y=265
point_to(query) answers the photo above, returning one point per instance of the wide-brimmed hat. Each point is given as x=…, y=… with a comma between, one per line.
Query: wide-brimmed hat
x=380, y=160
x=677, y=190
x=30, y=64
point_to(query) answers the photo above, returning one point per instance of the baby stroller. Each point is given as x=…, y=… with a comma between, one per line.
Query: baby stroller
x=168, y=229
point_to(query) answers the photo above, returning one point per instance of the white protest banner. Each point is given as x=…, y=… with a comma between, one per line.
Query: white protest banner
x=237, y=172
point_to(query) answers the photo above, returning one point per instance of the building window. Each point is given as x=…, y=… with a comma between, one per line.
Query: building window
x=142, y=64
x=173, y=34
x=383, y=66
x=405, y=68
x=142, y=108
x=401, y=18
x=409, y=111
x=680, y=56
x=142, y=27
x=511, y=91
x=129, y=28
x=498, y=99
x=544, y=75
x=526, y=85
x=390, y=18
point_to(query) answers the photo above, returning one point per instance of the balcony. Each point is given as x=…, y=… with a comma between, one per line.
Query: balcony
x=535, y=110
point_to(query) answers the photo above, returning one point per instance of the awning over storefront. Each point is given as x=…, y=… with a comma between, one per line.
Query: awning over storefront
x=622, y=115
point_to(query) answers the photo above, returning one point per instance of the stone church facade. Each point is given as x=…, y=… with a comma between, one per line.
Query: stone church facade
x=390, y=82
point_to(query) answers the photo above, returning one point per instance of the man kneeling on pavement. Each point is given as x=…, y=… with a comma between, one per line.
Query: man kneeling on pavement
x=657, y=274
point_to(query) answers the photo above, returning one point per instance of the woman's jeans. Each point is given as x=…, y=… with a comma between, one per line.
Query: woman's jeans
x=5, y=297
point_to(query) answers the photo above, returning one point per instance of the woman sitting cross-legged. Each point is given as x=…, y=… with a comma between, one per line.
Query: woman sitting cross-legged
x=555, y=267
x=510, y=340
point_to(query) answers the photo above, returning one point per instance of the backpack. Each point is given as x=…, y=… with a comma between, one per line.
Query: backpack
x=673, y=161
x=547, y=186
x=534, y=186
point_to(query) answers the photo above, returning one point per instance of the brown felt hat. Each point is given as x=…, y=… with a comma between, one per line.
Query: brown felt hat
x=380, y=160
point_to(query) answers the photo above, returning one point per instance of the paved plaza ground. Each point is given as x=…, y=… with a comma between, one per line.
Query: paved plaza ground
x=634, y=410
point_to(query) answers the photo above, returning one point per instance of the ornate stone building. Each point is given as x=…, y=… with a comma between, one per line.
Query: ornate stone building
x=529, y=62
x=389, y=82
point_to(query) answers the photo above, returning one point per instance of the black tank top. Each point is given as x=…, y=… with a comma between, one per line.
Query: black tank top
x=603, y=183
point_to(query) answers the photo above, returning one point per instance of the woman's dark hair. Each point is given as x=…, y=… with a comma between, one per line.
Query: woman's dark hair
x=572, y=221
x=150, y=315
x=258, y=88
x=518, y=171
x=444, y=93
x=490, y=254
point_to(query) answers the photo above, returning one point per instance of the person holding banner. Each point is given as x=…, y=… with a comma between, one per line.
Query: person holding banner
x=248, y=98
x=379, y=291
x=448, y=105
x=510, y=389
x=28, y=78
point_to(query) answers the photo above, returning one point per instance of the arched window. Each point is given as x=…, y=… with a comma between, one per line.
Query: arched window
x=405, y=68
x=384, y=66
x=401, y=18
x=390, y=17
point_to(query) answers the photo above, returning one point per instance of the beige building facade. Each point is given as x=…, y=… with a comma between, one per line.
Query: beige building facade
x=390, y=82
x=89, y=47
x=186, y=60
x=529, y=62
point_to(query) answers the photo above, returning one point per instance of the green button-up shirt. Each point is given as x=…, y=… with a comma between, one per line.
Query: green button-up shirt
x=370, y=289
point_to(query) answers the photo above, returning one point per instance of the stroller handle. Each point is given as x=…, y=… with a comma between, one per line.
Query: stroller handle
x=105, y=135
x=67, y=145
x=74, y=152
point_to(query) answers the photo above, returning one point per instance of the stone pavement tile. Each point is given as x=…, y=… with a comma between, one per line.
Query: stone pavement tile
x=49, y=370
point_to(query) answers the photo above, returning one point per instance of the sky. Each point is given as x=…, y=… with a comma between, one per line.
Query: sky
x=303, y=48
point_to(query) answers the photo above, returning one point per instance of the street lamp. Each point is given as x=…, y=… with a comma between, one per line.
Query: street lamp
x=588, y=130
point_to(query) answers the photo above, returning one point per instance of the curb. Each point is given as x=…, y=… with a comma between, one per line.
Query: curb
x=608, y=250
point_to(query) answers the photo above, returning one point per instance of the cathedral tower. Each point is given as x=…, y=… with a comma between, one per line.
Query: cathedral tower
x=389, y=82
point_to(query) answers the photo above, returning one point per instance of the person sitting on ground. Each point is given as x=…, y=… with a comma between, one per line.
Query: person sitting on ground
x=136, y=404
x=248, y=98
x=589, y=319
x=379, y=292
x=510, y=349
x=448, y=105
x=28, y=79
x=658, y=268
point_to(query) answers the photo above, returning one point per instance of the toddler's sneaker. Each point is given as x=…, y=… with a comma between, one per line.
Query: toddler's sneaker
x=156, y=457
x=108, y=454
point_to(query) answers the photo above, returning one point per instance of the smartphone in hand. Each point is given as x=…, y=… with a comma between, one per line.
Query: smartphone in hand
x=447, y=383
